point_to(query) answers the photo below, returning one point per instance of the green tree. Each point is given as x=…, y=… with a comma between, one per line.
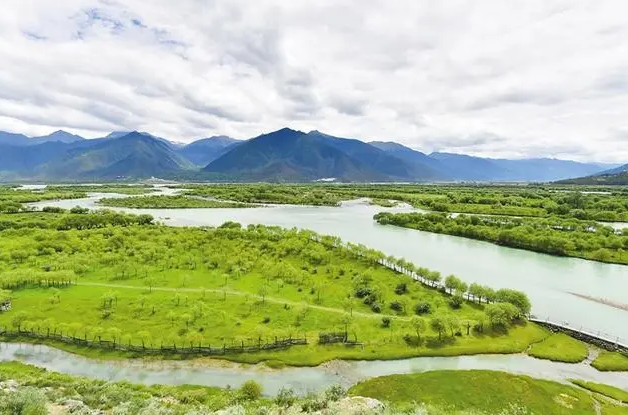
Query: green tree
x=18, y=319
x=439, y=325
x=418, y=324
x=250, y=391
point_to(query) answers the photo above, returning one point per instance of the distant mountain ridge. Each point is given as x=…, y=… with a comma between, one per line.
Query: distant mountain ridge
x=283, y=155
x=615, y=176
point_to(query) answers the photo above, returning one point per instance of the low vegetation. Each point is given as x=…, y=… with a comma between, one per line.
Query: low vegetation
x=560, y=347
x=608, y=391
x=584, y=203
x=611, y=362
x=553, y=236
x=482, y=391
x=169, y=202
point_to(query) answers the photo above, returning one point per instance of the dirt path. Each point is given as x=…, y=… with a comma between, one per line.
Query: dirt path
x=269, y=299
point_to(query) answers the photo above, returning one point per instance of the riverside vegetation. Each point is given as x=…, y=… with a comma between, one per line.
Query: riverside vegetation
x=556, y=236
x=25, y=390
x=129, y=282
x=169, y=202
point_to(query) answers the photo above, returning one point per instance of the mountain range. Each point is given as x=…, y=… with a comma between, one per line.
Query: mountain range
x=285, y=155
x=615, y=176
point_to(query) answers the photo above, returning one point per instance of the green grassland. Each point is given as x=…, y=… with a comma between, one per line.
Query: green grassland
x=126, y=189
x=154, y=285
x=481, y=391
x=611, y=362
x=609, y=391
x=169, y=202
x=560, y=348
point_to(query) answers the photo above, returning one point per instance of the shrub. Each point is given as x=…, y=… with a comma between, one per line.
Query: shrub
x=314, y=403
x=335, y=393
x=401, y=289
x=370, y=299
x=250, y=390
x=396, y=306
x=362, y=292
x=285, y=397
x=423, y=308
x=376, y=308
x=28, y=401
x=456, y=301
x=266, y=320
x=385, y=322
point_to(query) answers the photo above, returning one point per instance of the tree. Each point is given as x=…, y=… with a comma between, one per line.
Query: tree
x=438, y=324
x=115, y=334
x=346, y=320
x=187, y=319
x=347, y=304
x=144, y=337
x=250, y=391
x=263, y=290
x=418, y=324
x=172, y=316
x=150, y=283
x=451, y=283
x=501, y=314
x=516, y=298
x=18, y=319
x=453, y=324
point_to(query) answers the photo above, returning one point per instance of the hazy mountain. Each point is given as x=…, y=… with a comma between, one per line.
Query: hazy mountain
x=13, y=139
x=463, y=167
x=17, y=162
x=371, y=156
x=204, y=151
x=430, y=167
x=289, y=155
x=58, y=136
x=615, y=176
x=134, y=155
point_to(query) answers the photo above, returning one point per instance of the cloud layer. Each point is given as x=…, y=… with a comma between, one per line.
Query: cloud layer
x=545, y=78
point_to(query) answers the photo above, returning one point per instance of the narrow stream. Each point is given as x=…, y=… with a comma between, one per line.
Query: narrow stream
x=302, y=380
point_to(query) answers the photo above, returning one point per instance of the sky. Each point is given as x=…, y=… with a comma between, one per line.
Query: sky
x=490, y=78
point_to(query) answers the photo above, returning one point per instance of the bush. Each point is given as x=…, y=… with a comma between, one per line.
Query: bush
x=456, y=301
x=401, y=289
x=396, y=306
x=266, y=320
x=385, y=322
x=250, y=391
x=335, y=393
x=423, y=308
x=27, y=401
x=314, y=403
x=370, y=299
x=285, y=397
x=362, y=292
x=376, y=308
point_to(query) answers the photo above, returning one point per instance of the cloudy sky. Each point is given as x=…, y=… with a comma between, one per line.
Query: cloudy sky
x=490, y=77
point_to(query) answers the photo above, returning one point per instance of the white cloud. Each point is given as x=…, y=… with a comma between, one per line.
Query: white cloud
x=545, y=78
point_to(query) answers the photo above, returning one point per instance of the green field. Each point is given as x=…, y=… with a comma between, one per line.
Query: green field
x=611, y=362
x=481, y=391
x=169, y=202
x=154, y=285
x=609, y=391
x=560, y=348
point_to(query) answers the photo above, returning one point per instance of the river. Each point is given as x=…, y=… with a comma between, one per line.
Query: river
x=301, y=379
x=550, y=282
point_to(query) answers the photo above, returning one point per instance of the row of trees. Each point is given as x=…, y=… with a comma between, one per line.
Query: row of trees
x=553, y=236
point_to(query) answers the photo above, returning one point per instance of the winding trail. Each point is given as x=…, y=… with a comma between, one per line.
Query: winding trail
x=273, y=300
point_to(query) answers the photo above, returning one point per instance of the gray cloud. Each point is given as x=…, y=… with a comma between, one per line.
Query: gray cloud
x=544, y=80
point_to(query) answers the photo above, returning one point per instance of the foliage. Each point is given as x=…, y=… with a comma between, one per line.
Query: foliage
x=250, y=390
x=556, y=236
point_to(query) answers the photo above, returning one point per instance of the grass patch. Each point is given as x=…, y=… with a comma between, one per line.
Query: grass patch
x=611, y=362
x=609, y=391
x=169, y=202
x=484, y=391
x=559, y=347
